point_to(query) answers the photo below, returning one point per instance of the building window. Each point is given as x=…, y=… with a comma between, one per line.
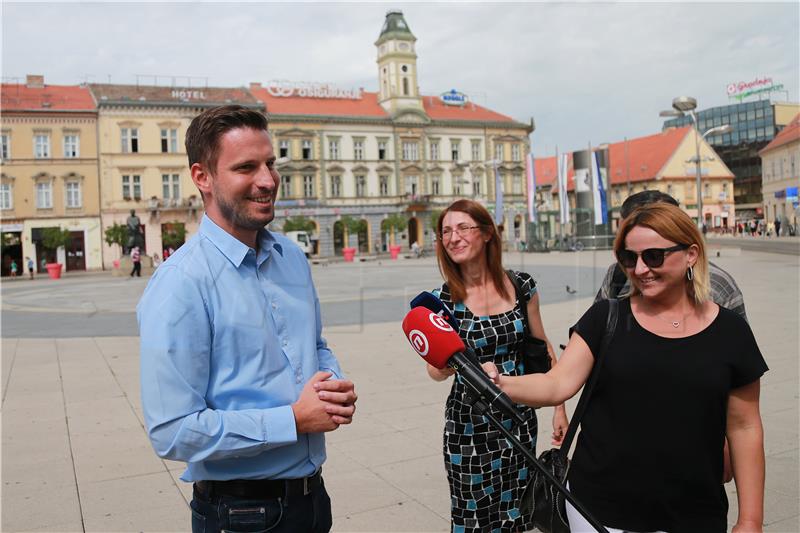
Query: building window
x=405, y=86
x=72, y=146
x=410, y=151
x=361, y=186
x=74, y=199
x=516, y=184
x=170, y=186
x=336, y=186
x=286, y=187
x=5, y=147
x=131, y=184
x=706, y=190
x=6, y=196
x=130, y=140
x=476, y=150
x=457, y=186
x=382, y=153
x=434, y=150
x=358, y=150
x=476, y=187
x=333, y=149
x=455, y=149
x=724, y=191
x=169, y=140
x=44, y=195
x=283, y=150
x=498, y=151
x=41, y=146
x=308, y=186
x=669, y=189
x=435, y=180
x=306, y=150
x=384, y=185
x=412, y=185
x=515, y=152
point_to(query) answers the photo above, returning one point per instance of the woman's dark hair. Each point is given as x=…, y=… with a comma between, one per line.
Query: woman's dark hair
x=647, y=197
x=207, y=128
x=450, y=271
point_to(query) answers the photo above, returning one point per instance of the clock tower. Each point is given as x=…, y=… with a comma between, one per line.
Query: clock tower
x=397, y=66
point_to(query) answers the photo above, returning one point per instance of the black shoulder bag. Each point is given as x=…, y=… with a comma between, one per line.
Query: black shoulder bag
x=541, y=499
x=535, y=359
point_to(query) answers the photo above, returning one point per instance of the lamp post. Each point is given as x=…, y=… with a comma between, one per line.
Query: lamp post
x=681, y=106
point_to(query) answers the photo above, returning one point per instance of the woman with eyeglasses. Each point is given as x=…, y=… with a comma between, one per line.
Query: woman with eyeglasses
x=680, y=374
x=487, y=477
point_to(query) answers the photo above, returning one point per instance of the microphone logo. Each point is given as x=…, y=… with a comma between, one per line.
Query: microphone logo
x=440, y=322
x=418, y=341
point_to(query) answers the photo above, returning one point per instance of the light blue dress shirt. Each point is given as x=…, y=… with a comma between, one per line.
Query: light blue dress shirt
x=229, y=337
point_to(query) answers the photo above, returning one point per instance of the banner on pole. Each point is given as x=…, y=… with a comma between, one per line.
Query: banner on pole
x=531, y=188
x=599, y=193
x=563, y=200
x=498, y=196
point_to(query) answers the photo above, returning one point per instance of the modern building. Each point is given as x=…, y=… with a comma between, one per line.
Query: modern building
x=49, y=174
x=780, y=160
x=754, y=125
x=143, y=162
x=360, y=155
x=660, y=162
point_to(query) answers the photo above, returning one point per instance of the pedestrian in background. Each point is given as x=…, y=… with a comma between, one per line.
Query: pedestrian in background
x=13, y=268
x=136, y=259
x=31, y=266
x=237, y=380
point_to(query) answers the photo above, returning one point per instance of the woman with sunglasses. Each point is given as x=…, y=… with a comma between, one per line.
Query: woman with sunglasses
x=680, y=374
x=486, y=476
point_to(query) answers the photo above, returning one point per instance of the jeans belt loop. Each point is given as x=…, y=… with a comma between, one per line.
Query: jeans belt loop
x=305, y=486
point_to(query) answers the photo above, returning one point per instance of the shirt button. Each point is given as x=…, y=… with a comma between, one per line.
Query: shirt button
x=285, y=343
x=274, y=305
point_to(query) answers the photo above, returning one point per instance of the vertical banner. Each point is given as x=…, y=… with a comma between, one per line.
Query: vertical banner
x=531, y=189
x=498, y=196
x=563, y=200
x=598, y=193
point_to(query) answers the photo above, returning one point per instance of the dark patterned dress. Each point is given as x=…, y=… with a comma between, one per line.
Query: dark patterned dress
x=487, y=476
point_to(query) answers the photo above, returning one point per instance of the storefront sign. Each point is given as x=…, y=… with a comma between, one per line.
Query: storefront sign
x=286, y=89
x=10, y=228
x=743, y=89
x=791, y=195
x=454, y=97
x=183, y=94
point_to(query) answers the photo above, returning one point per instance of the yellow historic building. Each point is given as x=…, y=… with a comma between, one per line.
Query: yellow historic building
x=49, y=175
x=143, y=162
x=780, y=161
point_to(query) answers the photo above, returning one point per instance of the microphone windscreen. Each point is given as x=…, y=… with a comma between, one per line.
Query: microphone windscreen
x=431, y=336
x=429, y=301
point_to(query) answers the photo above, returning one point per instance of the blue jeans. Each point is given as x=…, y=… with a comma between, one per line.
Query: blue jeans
x=293, y=514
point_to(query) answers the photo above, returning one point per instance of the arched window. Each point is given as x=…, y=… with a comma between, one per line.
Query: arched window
x=405, y=86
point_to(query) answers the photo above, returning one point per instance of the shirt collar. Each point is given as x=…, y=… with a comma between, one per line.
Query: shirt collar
x=231, y=247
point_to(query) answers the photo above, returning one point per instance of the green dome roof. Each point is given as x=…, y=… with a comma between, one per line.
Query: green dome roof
x=395, y=27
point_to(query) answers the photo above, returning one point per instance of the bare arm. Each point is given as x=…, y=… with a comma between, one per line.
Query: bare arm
x=562, y=382
x=439, y=374
x=746, y=440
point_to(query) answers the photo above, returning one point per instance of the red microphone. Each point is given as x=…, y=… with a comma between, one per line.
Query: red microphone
x=435, y=340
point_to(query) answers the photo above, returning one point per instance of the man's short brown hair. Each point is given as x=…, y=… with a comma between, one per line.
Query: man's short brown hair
x=207, y=128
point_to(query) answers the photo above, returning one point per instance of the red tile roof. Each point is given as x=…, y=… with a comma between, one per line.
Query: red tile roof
x=368, y=106
x=164, y=95
x=788, y=134
x=20, y=97
x=646, y=157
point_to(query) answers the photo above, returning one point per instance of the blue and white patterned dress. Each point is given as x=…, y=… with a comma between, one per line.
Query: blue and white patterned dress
x=487, y=476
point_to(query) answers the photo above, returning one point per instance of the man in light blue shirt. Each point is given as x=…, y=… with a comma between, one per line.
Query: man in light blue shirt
x=236, y=378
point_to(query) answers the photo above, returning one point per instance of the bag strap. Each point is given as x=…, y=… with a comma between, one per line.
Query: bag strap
x=583, y=403
x=618, y=281
x=520, y=298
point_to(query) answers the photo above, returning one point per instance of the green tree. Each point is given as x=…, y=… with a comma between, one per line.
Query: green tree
x=299, y=223
x=55, y=238
x=435, y=214
x=392, y=224
x=352, y=225
x=174, y=235
x=116, y=234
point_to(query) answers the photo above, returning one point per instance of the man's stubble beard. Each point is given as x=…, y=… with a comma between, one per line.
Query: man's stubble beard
x=237, y=217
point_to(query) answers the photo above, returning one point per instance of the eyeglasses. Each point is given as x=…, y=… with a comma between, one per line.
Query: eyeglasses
x=461, y=230
x=652, y=257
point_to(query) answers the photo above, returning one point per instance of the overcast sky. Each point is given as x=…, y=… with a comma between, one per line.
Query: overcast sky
x=586, y=72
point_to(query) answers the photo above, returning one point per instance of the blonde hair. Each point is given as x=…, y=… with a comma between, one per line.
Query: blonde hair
x=673, y=224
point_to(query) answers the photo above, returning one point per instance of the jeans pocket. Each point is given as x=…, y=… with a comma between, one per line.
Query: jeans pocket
x=251, y=516
x=198, y=520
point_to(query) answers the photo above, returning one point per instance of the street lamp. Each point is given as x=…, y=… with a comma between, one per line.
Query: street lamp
x=681, y=106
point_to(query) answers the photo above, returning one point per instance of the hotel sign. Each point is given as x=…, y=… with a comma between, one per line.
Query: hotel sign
x=286, y=89
x=743, y=89
x=184, y=94
x=454, y=97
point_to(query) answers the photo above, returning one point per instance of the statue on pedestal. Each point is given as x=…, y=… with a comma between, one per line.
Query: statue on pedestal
x=135, y=235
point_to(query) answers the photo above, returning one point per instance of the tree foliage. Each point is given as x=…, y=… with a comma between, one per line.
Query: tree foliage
x=116, y=234
x=55, y=238
x=394, y=222
x=299, y=223
x=174, y=235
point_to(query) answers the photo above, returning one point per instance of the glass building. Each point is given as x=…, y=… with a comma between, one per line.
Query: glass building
x=754, y=126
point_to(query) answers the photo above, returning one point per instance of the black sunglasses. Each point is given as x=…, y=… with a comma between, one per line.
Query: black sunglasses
x=652, y=257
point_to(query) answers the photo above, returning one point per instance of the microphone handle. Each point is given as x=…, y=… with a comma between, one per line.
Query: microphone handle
x=485, y=389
